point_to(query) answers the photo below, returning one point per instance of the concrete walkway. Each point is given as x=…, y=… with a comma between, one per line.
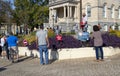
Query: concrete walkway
x=71, y=67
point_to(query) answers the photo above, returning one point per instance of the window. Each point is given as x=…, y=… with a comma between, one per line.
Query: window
x=104, y=11
x=88, y=10
x=119, y=12
x=112, y=12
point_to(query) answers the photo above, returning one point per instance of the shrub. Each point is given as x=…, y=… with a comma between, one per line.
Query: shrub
x=111, y=40
x=115, y=32
x=30, y=38
x=68, y=42
x=71, y=42
x=51, y=33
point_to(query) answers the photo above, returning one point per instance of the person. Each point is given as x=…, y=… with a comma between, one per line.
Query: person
x=57, y=31
x=6, y=47
x=12, y=43
x=42, y=43
x=99, y=26
x=83, y=37
x=59, y=39
x=84, y=25
x=75, y=28
x=0, y=51
x=98, y=43
x=3, y=45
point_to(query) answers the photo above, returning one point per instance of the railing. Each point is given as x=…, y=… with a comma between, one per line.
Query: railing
x=51, y=2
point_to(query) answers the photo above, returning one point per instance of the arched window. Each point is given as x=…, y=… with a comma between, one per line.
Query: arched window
x=104, y=11
x=112, y=11
x=88, y=10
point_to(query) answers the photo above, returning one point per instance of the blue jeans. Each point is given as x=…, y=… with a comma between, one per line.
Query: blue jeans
x=99, y=52
x=43, y=48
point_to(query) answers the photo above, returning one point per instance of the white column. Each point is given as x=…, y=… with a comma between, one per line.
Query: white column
x=75, y=12
x=64, y=11
x=70, y=11
x=50, y=15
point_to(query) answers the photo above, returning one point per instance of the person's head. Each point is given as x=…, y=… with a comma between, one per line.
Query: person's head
x=95, y=28
x=3, y=35
x=84, y=14
x=41, y=26
x=10, y=33
x=98, y=23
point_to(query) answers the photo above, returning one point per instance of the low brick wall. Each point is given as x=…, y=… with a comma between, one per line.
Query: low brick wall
x=69, y=53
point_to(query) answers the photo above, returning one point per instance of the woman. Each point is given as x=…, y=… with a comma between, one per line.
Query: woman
x=98, y=42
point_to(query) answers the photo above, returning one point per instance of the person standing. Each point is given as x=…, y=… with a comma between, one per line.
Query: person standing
x=42, y=43
x=3, y=44
x=98, y=43
x=84, y=25
x=13, y=43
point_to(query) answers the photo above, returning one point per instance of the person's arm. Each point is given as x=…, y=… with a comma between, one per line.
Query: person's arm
x=47, y=41
x=36, y=41
x=104, y=32
x=17, y=41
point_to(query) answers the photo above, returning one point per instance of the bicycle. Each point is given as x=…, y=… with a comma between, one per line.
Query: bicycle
x=12, y=53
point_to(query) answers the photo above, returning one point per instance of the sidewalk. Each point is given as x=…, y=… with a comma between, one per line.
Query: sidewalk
x=71, y=67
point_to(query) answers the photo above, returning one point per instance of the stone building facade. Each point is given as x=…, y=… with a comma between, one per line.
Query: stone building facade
x=66, y=13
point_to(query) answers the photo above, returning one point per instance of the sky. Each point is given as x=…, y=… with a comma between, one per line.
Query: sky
x=12, y=1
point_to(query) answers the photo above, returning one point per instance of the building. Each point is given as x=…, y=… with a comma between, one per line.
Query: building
x=66, y=13
x=6, y=28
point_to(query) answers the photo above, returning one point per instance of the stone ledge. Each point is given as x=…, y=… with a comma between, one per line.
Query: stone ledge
x=70, y=53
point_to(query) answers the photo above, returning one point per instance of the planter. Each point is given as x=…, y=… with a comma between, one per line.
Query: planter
x=69, y=53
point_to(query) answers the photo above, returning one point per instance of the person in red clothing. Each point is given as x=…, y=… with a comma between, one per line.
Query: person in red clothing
x=59, y=38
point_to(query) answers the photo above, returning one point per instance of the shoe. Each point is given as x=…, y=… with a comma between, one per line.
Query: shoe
x=101, y=59
x=18, y=60
x=12, y=61
x=96, y=60
x=42, y=64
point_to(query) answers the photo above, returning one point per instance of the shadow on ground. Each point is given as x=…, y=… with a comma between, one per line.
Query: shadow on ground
x=2, y=69
x=23, y=58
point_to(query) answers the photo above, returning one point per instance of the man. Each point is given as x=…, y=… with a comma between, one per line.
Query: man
x=43, y=44
x=12, y=43
x=84, y=23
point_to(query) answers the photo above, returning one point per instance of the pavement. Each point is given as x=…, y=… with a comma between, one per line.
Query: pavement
x=71, y=67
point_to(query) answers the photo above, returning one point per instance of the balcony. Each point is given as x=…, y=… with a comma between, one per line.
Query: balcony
x=56, y=2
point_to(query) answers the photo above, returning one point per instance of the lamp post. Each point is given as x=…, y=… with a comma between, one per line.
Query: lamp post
x=80, y=11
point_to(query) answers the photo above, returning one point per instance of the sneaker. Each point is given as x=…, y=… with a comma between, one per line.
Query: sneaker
x=101, y=59
x=96, y=60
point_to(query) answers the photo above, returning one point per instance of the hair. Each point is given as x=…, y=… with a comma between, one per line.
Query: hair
x=98, y=23
x=95, y=28
x=41, y=26
x=3, y=34
x=11, y=33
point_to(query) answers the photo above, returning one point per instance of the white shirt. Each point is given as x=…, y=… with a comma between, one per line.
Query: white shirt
x=2, y=41
x=84, y=19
